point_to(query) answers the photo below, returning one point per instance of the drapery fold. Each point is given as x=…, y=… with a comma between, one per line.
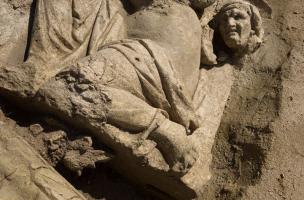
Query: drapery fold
x=158, y=80
x=66, y=30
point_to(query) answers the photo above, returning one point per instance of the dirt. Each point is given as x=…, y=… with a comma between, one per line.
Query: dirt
x=258, y=153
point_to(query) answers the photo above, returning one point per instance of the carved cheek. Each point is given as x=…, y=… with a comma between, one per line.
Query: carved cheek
x=244, y=28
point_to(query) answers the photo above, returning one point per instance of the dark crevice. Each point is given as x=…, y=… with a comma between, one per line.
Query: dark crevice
x=30, y=29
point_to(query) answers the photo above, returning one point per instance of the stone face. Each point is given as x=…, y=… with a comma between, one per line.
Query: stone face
x=180, y=97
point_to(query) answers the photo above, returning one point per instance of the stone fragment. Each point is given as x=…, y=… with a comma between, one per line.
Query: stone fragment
x=80, y=154
x=36, y=129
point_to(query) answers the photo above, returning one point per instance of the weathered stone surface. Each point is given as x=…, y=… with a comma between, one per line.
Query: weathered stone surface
x=152, y=83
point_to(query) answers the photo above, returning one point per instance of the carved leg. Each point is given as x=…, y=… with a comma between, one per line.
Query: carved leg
x=80, y=96
x=83, y=95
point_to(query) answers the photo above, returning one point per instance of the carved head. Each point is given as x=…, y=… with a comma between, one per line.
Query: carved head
x=240, y=25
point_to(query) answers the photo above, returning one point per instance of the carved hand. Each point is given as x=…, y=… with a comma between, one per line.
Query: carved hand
x=179, y=150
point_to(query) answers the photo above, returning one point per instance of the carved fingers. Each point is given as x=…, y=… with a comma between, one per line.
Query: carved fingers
x=188, y=156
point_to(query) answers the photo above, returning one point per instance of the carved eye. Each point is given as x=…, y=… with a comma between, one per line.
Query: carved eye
x=226, y=15
x=239, y=16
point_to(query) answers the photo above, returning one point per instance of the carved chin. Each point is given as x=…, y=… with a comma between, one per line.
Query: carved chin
x=234, y=42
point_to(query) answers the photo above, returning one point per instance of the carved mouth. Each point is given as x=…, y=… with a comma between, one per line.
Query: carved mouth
x=232, y=33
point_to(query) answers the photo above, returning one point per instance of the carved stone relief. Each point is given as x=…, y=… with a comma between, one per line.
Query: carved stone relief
x=149, y=80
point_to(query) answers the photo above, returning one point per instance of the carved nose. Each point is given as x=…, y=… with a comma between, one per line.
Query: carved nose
x=231, y=22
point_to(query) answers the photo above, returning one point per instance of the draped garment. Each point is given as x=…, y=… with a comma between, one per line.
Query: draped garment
x=66, y=30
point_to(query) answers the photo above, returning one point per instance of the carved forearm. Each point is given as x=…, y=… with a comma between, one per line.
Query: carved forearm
x=24, y=80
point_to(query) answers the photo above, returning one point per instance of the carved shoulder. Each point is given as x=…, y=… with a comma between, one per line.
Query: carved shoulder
x=164, y=24
x=178, y=30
